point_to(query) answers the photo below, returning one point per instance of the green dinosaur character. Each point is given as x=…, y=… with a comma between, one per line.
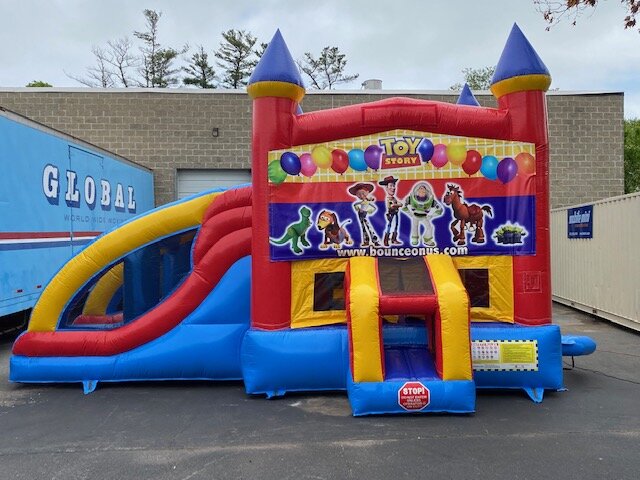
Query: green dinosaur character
x=296, y=232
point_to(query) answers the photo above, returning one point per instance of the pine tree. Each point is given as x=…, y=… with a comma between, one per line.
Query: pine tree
x=327, y=70
x=157, y=62
x=198, y=71
x=235, y=57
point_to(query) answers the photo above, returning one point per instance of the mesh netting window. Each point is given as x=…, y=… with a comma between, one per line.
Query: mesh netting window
x=328, y=291
x=476, y=281
x=404, y=276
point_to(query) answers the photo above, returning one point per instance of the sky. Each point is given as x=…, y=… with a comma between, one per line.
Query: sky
x=408, y=44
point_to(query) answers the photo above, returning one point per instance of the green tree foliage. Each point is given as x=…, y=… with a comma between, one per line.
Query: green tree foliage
x=38, y=83
x=157, y=68
x=327, y=70
x=199, y=72
x=146, y=63
x=236, y=57
x=260, y=50
x=477, y=78
x=632, y=156
x=554, y=11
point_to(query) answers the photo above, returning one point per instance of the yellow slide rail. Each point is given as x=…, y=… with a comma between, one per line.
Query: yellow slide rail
x=364, y=321
x=453, y=306
x=110, y=248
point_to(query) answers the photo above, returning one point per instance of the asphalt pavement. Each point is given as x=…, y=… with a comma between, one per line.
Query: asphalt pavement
x=178, y=430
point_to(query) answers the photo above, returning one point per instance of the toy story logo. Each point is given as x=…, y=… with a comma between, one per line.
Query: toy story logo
x=401, y=152
x=402, y=194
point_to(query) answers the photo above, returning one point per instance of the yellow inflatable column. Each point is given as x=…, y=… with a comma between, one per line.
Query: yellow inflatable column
x=365, y=337
x=453, y=305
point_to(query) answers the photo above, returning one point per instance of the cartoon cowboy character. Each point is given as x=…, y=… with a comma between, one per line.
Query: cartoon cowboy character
x=365, y=206
x=421, y=206
x=393, y=207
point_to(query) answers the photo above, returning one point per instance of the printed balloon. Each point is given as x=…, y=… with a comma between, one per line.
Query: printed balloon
x=526, y=163
x=439, y=158
x=276, y=174
x=472, y=162
x=425, y=150
x=290, y=163
x=489, y=167
x=457, y=153
x=373, y=156
x=321, y=156
x=307, y=166
x=356, y=160
x=507, y=170
x=340, y=161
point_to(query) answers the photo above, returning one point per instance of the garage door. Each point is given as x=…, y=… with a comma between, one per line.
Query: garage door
x=195, y=181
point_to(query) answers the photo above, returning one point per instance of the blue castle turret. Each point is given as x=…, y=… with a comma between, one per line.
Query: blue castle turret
x=519, y=68
x=276, y=74
x=467, y=98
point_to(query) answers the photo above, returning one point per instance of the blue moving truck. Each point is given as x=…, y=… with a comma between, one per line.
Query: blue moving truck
x=57, y=193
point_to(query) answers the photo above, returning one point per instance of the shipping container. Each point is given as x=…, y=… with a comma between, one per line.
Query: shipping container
x=597, y=269
x=57, y=193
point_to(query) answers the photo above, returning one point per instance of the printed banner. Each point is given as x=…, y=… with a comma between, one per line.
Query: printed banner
x=402, y=194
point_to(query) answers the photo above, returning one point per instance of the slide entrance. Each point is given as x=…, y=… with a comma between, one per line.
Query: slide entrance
x=409, y=338
x=407, y=302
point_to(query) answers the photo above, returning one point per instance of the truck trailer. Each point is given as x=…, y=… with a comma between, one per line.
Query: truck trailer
x=57, y=193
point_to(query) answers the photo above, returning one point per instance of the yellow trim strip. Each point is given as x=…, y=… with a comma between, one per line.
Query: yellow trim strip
x=453, y=303
x=109, y=249
x=276, y=89
x=103, y=291
x=521, y=83
x=364, y=322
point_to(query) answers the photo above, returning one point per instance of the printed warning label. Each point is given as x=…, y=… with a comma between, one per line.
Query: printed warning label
x=413, y=396
x=505, y=355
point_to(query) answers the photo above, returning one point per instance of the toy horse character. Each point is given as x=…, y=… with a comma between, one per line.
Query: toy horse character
x=468, y=217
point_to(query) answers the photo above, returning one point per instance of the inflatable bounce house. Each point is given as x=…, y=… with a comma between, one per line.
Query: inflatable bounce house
x=398, y=250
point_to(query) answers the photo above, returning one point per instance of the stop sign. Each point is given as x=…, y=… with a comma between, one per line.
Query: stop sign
x=413, y=396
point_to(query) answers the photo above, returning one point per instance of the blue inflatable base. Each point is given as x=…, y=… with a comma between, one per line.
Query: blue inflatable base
x=188, y=352
x=547, y=373
x=272, y=363
x=373, y=398
x=309, y=359
x=316, y=359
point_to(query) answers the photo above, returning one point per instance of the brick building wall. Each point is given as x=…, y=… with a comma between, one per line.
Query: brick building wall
x=167, y=130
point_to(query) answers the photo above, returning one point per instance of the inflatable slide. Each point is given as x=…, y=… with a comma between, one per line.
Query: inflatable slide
x=177, y=271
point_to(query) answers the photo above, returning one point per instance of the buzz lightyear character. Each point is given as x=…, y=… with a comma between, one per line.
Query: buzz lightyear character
x=421, y=206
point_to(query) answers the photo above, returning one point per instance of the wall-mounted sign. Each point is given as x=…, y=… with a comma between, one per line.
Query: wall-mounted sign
x=580, y=222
